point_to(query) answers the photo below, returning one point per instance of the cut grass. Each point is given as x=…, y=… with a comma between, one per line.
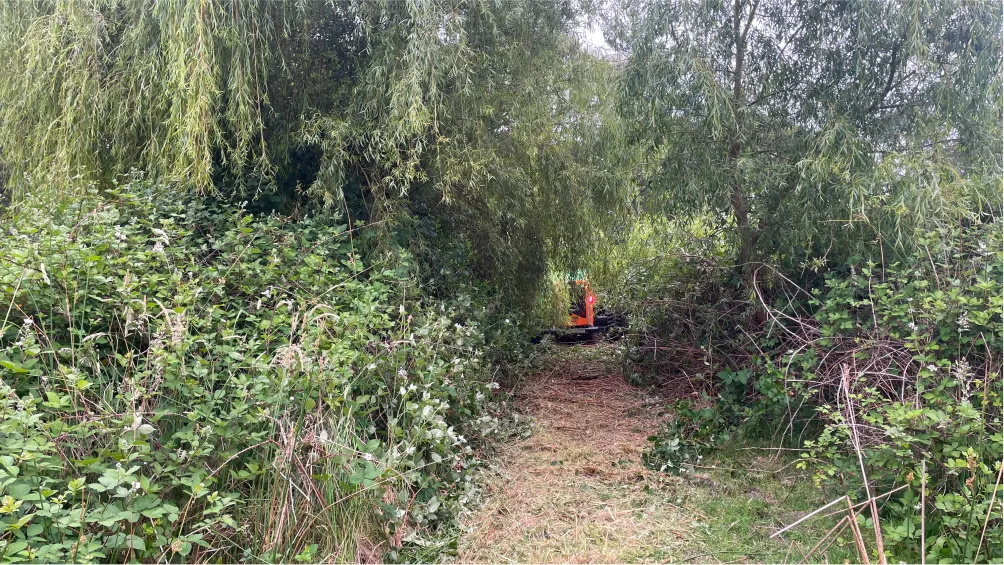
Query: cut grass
x=576, y=491
x=747, y=495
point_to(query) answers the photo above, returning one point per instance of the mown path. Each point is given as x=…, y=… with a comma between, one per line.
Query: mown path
x=575, y=490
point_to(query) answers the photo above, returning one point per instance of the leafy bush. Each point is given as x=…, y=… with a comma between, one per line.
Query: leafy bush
x=680, y=308
x=909, y=366
x=685, y=440
x=919, y=336
x=184, y=382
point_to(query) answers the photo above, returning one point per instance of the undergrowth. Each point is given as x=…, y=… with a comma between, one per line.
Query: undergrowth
x=183, y=381
x=885, y=373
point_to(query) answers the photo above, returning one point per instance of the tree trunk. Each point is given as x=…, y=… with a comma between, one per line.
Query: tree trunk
x=747, y=235
x=747, y=239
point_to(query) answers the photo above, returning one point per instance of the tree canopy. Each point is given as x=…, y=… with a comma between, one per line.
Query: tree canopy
x=816, y=126
x=490, y=110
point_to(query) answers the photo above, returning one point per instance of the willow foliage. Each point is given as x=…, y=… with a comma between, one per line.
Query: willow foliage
x=93, y=89
x=487, y=115
x=815, y=126
x=194, y=91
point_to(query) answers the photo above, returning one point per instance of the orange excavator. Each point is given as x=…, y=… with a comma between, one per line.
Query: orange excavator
x=583, y=322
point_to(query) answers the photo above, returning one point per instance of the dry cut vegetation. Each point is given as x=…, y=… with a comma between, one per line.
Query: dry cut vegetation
x=575, y=490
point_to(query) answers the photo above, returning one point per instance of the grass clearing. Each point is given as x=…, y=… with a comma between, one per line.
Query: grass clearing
x=575, y=490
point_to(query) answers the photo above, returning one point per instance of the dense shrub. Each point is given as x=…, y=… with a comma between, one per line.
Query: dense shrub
x=908, y=373
x=186, y=381
x=897, y=359
x=685, y=440
x=681, y=308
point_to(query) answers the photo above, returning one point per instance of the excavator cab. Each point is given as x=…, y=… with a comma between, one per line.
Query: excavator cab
x=583, y=301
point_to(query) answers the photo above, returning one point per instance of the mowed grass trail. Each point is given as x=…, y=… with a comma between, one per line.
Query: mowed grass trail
x=575, y=490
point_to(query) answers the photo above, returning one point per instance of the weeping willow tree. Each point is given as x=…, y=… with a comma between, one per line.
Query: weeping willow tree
x=532, y=165
x=94, y=89
x=816, y=128
x=486, y=117
x=187, y=91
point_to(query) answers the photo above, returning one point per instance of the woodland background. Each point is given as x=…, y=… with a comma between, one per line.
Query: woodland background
x=268, y=268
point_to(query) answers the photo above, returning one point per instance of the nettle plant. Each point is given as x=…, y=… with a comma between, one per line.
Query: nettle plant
x=185, y=381
x=921, y=341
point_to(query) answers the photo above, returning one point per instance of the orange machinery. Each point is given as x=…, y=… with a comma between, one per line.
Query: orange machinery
x=582, y=320
x=583, y=302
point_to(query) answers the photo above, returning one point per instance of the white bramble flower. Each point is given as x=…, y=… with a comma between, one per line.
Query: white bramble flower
x=963, y=373
x=161, y=235
x=963, y=322
x=287, y=356
x=962, y=370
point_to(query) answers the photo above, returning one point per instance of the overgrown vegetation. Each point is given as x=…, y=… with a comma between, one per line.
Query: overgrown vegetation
x=264, y=264
x=187, y=381
x=817, y=264
x=888, y=377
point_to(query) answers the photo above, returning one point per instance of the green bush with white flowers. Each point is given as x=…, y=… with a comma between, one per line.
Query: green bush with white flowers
x=182, y=381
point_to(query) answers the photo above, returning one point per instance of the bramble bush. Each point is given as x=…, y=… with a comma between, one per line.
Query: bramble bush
x=185, y=381
x=684, y=441
x=921, y=341
x=910, y=348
